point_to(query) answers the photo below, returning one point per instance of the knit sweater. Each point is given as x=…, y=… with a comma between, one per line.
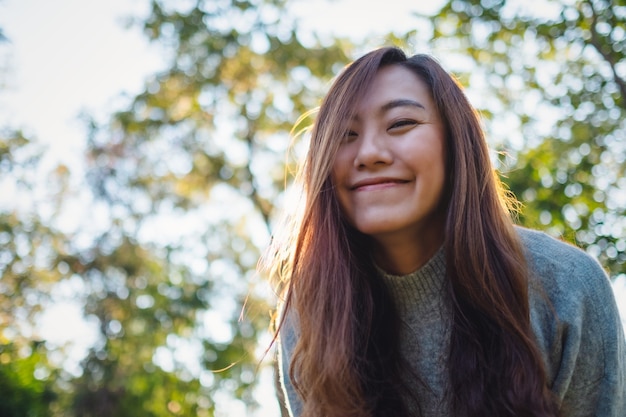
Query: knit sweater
x=574, y=318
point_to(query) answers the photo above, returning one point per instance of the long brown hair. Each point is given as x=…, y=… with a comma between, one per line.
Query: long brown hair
x=345, y=362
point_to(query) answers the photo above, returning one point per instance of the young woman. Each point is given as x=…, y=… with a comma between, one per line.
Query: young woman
x=407, y=289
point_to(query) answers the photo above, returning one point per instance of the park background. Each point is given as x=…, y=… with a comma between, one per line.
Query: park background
x=143, y=152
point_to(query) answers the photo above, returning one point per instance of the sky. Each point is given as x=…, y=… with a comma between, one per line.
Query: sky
x=64, y=57
x=67, y=56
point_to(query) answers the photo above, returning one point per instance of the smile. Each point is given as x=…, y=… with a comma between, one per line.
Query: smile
x=371, y=184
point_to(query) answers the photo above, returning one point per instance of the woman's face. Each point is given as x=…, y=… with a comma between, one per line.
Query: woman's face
x=389, y=172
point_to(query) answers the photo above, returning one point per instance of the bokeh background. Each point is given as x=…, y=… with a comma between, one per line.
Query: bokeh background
x=144, y=146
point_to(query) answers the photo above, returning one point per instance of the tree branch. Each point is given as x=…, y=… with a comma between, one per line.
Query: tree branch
x=259, y=202
x=596, y=42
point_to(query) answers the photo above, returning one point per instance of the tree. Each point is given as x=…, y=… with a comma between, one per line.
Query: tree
x=24, y=394
x=183, y=184
x=25, y=245
x=201, y=150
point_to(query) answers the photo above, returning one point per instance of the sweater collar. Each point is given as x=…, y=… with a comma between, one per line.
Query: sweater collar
x=426, y=283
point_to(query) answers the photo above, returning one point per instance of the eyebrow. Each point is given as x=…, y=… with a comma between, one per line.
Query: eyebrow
x=401, y=103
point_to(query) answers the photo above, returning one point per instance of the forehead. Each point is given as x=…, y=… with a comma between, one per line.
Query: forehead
x=394, y=82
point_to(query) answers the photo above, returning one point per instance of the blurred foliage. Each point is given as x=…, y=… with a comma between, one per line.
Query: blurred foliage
x=201, y=149
x=26, y=373
x=23, y=394
x=182, y=184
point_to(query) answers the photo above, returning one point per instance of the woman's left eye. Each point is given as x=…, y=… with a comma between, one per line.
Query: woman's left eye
x=402, y=123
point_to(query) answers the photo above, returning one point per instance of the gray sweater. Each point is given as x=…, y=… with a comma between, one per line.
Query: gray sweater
x=584, y=348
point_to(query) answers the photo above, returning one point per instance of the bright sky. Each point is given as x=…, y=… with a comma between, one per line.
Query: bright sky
x=66, y=56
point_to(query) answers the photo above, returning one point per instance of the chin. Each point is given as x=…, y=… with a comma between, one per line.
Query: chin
x=373, y=229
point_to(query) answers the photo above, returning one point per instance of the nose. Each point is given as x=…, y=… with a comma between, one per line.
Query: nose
x=372, y=150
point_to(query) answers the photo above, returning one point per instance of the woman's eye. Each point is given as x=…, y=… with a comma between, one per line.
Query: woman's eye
x=402, y=123
x=350, y=135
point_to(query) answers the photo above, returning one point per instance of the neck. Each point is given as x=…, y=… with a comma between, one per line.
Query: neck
x=401, y=256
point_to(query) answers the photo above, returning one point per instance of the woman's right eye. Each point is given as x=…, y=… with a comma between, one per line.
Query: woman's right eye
x=350, y=135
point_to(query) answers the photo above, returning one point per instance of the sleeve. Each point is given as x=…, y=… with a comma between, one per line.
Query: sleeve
x=578, y=328
x=593, y=364
x=287, y=342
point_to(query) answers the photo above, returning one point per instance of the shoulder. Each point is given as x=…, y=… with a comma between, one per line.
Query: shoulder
x=577, y=327
x=548, y=254
x=569, y=279
x=562, y=267
x=572, y=280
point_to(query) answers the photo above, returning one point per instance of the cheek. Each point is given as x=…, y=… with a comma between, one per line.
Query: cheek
x=342, y=158
x=341, y=196
x=336, y=176
x=340, y=192
x=339, y=171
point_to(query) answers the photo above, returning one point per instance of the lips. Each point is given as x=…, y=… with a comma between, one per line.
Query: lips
x=376, y=183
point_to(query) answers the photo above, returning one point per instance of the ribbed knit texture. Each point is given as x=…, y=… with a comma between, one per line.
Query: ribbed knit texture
x=425, y=283
x=424, y=334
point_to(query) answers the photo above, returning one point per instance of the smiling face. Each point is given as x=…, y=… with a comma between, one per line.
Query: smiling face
x=389, y=171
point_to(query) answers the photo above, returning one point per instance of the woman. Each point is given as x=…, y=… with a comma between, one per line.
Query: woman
x=407, y=289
